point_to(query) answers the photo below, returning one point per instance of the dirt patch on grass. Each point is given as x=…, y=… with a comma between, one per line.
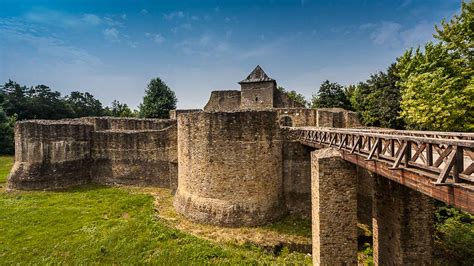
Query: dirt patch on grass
x=293, y=233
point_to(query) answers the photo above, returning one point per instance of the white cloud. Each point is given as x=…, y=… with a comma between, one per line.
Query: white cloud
x=158, y=38
x=206, y=45
x=111, y=34
x=173, y=15
x=184, y=26
x=387, y=33
x=394, y=35
x=417, y=35
x=110, y=21
x=144, y=12
x=53, y=18
x=15, y=33
x=91, y=19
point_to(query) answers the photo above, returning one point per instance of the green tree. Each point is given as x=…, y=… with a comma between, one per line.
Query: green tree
x=15, y=100
x=119, y=110
x=294, y=95
x=6, y=133
x=438, y=83
x=84, y=104
x=159, y=99
x=458, y=34
x=437, y=89
x=330, y=95
x=47, y=104
x=38, y=102
x=377, y=100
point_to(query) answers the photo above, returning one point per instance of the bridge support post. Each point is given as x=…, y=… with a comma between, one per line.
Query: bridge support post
x=402, y=225
x=334, y=208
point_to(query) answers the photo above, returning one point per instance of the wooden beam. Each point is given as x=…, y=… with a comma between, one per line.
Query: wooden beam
x=401, y=153
x=445, y=173
x=374, y=148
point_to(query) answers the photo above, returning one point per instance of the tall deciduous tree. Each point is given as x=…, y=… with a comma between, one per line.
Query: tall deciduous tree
x=377, y=100
x=438, y=83
x=159, y=99
x=330, y=95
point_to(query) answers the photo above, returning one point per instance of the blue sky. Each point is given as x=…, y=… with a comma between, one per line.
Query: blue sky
x=113, y=48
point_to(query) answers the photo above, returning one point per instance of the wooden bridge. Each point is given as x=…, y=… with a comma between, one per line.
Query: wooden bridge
x=438, y=164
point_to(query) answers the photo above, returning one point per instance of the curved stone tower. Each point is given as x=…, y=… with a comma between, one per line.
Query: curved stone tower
x=230, y=168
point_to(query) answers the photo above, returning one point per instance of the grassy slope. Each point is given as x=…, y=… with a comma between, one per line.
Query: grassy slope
x=105, y=225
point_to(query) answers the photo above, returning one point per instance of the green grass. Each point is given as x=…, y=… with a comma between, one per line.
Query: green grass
x=106, y=225
x=6, y=162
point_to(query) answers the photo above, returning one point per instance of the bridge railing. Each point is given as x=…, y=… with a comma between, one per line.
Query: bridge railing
x=447, y=158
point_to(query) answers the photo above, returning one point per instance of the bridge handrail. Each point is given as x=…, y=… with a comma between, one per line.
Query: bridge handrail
x=448, y=158
x=458, y=142
x=441, y=134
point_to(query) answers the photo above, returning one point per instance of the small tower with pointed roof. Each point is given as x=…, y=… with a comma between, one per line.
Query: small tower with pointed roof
x=257, y=90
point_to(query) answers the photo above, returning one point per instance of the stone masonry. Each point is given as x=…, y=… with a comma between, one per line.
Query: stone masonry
x=230, y=165
x=230, y=168
x=66, y=153
x=334, y=201
x=402, y=225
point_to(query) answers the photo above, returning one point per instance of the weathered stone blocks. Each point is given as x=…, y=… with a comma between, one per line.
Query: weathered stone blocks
x=65, y=153
x=334, y=201
x=230, y=168
x=51, y=155
x=402, y=225
x=137, y=157
x=297, y=177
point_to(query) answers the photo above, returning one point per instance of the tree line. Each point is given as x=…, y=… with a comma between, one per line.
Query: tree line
x=19, y=102
x=427, y=88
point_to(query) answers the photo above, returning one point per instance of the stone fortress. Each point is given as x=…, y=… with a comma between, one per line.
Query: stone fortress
x=235, y=163
x=228, y=164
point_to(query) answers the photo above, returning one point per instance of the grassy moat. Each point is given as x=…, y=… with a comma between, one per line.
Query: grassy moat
x=127, y=225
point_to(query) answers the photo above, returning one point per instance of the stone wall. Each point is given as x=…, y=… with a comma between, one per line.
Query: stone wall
x=230, y=168
x=297, y=177
x=257, y=95
x=299, y=116
x=334, y=198
x=223, y=101
x=402, y=225
x=365, y=183
x=117, y=123
x=174, y=113
x=138, y=157
x=282, y=100
x=51, y=155
x=65, y=153
x=321, y=117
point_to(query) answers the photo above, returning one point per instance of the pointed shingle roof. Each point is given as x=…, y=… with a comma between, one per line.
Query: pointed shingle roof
x=257, y=75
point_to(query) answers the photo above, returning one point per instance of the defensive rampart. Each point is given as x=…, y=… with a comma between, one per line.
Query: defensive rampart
x=65, y=153
x=51, y=155
x=223, y=101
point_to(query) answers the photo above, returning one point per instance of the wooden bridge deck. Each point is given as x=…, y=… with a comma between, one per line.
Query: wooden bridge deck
x=438, y=164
